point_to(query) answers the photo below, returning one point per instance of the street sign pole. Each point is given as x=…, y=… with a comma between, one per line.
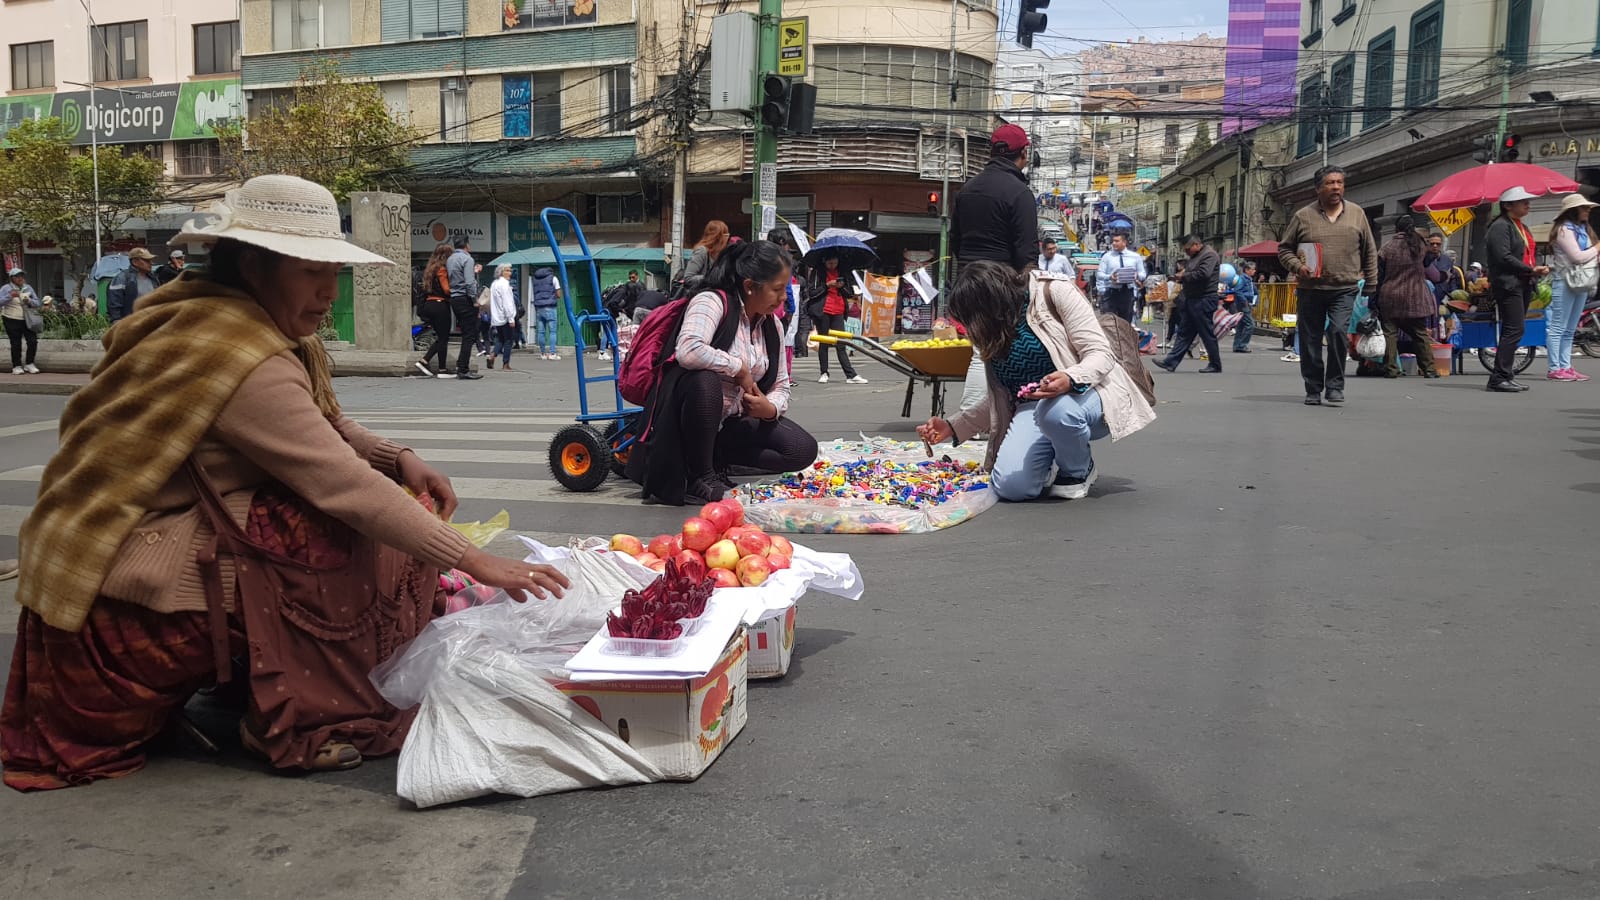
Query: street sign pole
x=764, y=186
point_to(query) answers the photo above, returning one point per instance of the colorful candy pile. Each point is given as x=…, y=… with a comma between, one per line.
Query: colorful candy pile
x=912, y=485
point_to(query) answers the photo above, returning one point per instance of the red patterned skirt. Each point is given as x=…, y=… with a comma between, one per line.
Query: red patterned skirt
x=82, y=705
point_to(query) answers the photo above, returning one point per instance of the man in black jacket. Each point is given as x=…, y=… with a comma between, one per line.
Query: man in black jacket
x=1512, y=270
x=1197, y=305
x=995, y=216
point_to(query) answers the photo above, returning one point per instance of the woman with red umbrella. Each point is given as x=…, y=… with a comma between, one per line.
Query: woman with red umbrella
x=1512, y=271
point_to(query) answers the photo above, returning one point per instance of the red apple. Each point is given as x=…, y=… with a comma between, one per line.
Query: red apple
x=778, y=560
x=664, y=545
x=722, y=555
x=646, y=558
x=718, y=514
x=659, y=565
x=734, y=532
x=691, y=564
x=627, y=543
x=782, y=545
x=698, y=534
x=753, y=543
x=753, y=570
x=725, y=578
x=736, y=508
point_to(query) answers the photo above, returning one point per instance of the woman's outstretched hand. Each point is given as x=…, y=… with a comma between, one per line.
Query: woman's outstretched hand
x=937, y=431
x=422, y=478
x=513, y=576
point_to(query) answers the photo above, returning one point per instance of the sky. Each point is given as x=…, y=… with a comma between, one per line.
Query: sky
x=1072, y=22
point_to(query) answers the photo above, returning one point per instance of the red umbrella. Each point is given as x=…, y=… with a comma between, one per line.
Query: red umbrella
x=1485, y=184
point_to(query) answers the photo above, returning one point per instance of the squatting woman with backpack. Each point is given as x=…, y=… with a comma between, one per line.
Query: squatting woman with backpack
x=721, y=392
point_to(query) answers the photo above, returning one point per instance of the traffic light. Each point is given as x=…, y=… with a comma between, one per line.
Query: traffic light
x=1487, y=148
x=933, y=203
x=775, y=98
x=802, y=107
x=1508, y=148
x=1030, y=21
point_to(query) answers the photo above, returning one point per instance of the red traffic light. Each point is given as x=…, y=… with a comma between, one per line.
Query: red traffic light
x=933, y=197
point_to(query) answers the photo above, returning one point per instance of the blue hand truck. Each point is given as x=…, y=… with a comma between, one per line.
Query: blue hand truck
x=582, y=455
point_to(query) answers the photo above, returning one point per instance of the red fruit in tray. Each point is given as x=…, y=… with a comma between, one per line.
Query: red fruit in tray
x=724, y=554
x=659, y=565
x=753, y=570
x=698, y=534
x=736, y=508
x=777, y=560
x=782, y=545
x=753, y=543
x=627, y=543
x=718, y=514
x=646, y=558
x=725, y=578
x=664, y=545
x=691, y=564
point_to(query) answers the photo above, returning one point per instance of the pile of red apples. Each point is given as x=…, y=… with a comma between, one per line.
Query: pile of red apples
x=717, y=543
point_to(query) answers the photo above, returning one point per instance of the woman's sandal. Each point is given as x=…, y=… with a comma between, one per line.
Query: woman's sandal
x=332, y=756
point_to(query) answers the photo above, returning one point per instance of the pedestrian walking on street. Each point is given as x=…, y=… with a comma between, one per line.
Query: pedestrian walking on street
x=1405, y=299
x=1242, y=288
x=1118, y=277
x=130, y=284
x=993, y=218
x=831, y=293
x=1055, y=383
x=1053, y=261
x=546, y=294
x=1576, y=263
x=435, y=313
x=462, y=272
x=502, y=317
x=1197, y=306
x=19, y=303
x=1329, y=249
x=1513, y=269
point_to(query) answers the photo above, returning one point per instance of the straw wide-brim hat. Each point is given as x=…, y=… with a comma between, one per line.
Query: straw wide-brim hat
x=284, y=214
x=1574, y=201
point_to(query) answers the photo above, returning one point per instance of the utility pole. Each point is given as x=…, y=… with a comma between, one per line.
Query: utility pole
x=1505, y=80
x=944, y=189
x=683, y=102
x=764, y=190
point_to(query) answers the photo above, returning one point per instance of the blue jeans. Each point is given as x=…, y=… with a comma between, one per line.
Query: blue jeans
x=544, y=329
x=504, y=337
x=1057, y=430
x=1561, y=321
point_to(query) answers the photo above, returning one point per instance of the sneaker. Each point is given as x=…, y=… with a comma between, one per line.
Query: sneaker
x=1290, y=357
x=1560, y=375
x=1576, y=375
x=17, y=370
x=468, y=375
x=556, y=357
x=855, y=379
x=31, y=369
x=823, y=379
x=1068, y=488
x=446, y=375
x=423, y=368
x=604, y=354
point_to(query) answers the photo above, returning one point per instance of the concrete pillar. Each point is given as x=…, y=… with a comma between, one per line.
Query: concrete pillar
x=381, y=222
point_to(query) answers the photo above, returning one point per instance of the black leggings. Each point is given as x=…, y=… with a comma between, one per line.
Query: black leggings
x=17, y=330
x=826, y=324
x=436, y=314
x=711, y=443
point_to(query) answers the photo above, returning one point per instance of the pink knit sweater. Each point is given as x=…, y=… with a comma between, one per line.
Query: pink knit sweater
x=270, y=431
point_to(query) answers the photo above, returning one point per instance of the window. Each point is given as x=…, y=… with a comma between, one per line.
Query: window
x=396, y=99
x=1310, y=114
x=406, y=20
x=216, y=48
x=453, y=109
x=1341, y=94
x=33, y=65
x=619, y=98
x=198, y=159
x=1345, y=12
x=545, y=103
x=1378, y=94
x=1422, y=59
x=1170, y=139
x=875, y=83
x=309, y=24
x=121, y=51
x=1519, y=19
x=1314, y=23
x=616, y=209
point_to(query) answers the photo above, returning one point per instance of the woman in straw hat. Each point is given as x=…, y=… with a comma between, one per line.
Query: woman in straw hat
x=1575, y=258
x=211, y=508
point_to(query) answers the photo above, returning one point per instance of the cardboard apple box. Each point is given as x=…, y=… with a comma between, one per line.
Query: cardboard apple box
x=772, y=645
x=681, y=725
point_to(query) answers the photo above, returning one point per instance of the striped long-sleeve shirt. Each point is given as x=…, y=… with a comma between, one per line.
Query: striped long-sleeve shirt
x=694, y=351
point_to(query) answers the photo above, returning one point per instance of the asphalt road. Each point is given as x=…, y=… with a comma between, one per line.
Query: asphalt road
x=1280, y=652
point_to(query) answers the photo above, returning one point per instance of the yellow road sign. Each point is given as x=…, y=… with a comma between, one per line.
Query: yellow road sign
x=1451, y=220
x=792, y=50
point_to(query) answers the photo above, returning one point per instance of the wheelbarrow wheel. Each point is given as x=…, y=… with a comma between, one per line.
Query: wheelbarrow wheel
x=618, y=431
x=579, y=459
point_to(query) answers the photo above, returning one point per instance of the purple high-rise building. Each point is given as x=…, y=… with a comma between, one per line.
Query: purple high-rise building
x=1263, y=47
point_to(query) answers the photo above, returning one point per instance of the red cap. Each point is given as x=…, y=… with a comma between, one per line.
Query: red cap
x=1012, y=137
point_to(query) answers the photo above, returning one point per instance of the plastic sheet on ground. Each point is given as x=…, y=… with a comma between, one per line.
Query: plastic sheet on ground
x=853, y=515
